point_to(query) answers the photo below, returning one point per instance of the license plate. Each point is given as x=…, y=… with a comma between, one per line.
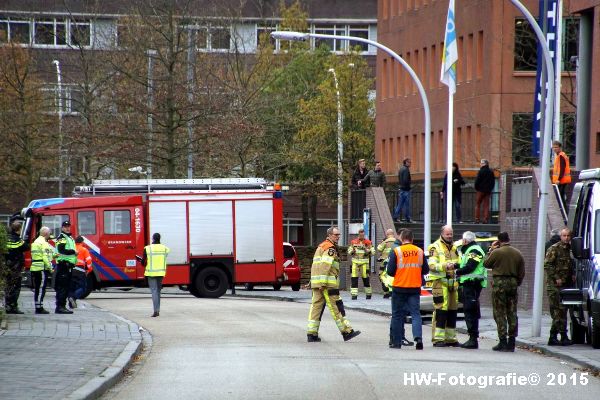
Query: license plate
x=429, y=284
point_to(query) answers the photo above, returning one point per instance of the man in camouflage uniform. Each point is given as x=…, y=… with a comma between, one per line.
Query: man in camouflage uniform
x=385, y=247
x=324, y=281
x=508, y=270
x=443, y=261
x=559, y=273
x=14, y=259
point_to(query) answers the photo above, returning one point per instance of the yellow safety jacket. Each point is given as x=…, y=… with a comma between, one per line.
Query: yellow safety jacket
x=360, y=251
x=41, y=255
x=69, y=245
x=480, y=273
x=156, y=263
x=439, y=255
x=325, y=269
x=385, y=248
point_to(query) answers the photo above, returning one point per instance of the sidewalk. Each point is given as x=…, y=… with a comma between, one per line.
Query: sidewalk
x=583, y=355
x=76, y=356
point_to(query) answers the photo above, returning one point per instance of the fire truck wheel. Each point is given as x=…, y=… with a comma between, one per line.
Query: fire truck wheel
x=276, y=286
x=211, y=282
x=296, y=287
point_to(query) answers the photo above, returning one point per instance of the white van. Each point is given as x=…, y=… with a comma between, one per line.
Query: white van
x=584, y=299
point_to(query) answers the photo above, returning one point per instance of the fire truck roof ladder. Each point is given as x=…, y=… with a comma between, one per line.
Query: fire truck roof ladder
x=114, y=186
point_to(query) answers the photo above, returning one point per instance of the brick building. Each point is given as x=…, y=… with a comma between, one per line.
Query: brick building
x=493, y=104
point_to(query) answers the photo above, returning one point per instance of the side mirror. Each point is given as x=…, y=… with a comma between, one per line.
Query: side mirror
x=577, y=248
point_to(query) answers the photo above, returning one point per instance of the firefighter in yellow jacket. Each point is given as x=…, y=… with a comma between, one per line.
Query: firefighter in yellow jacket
x=443, y=261
x=360, y=249
x=324, y=281
x=385, y=248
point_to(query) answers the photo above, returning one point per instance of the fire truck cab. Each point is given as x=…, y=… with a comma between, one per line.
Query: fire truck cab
x=220, y=231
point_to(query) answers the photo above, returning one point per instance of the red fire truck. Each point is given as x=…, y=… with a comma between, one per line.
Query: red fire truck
x=221, y=232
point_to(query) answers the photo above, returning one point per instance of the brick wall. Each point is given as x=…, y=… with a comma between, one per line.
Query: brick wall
x=522, y=229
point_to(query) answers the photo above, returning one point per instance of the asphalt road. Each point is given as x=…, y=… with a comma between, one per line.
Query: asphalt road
x=232, y=348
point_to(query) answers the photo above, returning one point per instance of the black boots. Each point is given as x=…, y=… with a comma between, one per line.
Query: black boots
x=501, y=346
x=312, y=338
x=471, y=343
x=354, y=297
x=510, y=345
x=553, y=340
x=62, y=310
x=155, y=314
x=386, y=295
x=349, y=335
x=14, y=310
x=419, y=345
x=564, y=340
x=41, y=310
x=368, y=297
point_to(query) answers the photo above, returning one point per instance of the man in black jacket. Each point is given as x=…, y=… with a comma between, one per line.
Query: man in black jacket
x=404, y=186
x=15, y=259
x=484, y=184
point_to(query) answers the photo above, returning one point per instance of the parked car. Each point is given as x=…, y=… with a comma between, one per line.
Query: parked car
x=485, y=240
x=291, y=271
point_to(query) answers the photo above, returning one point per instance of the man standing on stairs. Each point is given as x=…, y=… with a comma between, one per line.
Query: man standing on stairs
x=384, y=248
x=360, y=249
x=559, y=274
x=404, y=186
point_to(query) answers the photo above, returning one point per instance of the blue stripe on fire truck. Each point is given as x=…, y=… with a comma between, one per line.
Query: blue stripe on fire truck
x=110, y=266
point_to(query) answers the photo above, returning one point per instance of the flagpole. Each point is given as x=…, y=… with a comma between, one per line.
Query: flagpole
x=449, y=158
x=558, y=68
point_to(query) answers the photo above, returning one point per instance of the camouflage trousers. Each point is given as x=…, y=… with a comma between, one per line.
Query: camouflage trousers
x=558, y=312
x=504, y=302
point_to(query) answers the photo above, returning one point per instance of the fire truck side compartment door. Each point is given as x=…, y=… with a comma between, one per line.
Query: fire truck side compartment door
x=211, y=228
x=169, y=219
x=254, y=231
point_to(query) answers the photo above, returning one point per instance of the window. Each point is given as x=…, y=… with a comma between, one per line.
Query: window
x=263, y=35
x=597, y=233
x=54, y=222
x=521, y=139
x=47, y=32
x=117, y=222
x=86, y=222
x=220, y=39
x=361, y=31
x=80, y=34
x=332, y=44
x=526, y=45
x=71, y=99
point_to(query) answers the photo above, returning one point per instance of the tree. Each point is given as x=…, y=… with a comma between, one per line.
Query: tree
x=26, y=127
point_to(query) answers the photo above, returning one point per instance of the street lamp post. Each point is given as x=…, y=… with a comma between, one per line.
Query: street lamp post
x=545, y=165
x=60, y=133
x=340, y=154
x=150, y=101
x=298, y=36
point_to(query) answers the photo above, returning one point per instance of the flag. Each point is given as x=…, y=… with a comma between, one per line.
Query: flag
x=450, y=54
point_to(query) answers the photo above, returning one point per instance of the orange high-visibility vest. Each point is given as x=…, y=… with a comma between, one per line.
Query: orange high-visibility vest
x=409, y=260
x=84, y=260
x=556, y=171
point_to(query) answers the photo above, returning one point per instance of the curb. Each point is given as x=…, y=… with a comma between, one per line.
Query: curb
x=580, y=360
x=94, y=388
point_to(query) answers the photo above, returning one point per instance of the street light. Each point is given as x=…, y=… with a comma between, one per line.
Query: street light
x=151, y=54
x=60, y=134
x=299, y=36
x=538, y=282
x=340, y=153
